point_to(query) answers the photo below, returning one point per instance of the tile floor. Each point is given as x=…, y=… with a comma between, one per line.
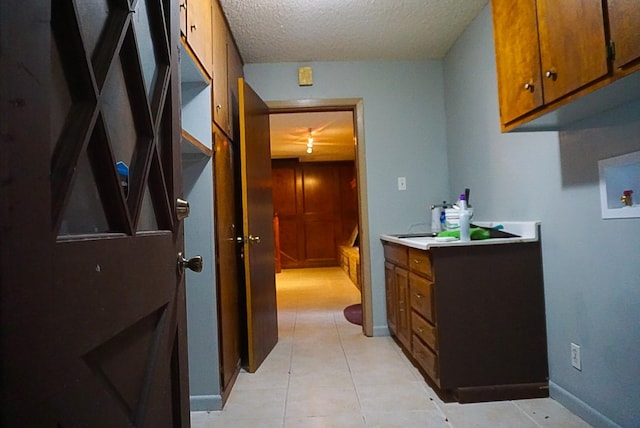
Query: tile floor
x=325, y=373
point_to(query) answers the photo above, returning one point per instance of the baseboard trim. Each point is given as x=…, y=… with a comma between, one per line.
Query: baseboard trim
x=380, y=331
x=580, y=408
x=205, y=403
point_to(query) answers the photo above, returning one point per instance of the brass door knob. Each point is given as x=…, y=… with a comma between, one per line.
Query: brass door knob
x=194, y=263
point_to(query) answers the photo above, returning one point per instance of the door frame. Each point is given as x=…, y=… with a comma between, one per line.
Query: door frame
x=356, y=105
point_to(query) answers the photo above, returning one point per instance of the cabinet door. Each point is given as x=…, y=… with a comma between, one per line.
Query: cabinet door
x=183, y=18
x=624, y=19
x=220, y=65
x=392, y=298
x=572, y=45
x=199, y=31
x=404, y=307
x=517, y=58
x=234, y=71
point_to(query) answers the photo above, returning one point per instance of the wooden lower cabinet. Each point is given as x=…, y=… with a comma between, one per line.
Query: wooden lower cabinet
x=471, y=318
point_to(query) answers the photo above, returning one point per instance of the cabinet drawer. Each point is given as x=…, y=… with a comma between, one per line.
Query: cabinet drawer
x=396, y=254
x=427, y=360
x=421, y=297
x=424, y=330
x=420, y=262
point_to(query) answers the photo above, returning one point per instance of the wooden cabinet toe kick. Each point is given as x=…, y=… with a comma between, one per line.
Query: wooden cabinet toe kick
x=475, y=394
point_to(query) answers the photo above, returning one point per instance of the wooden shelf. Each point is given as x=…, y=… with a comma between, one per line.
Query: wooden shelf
x=192, y=147
x=191, y=70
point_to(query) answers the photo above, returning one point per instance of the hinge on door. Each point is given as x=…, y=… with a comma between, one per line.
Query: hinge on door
x=611, y=50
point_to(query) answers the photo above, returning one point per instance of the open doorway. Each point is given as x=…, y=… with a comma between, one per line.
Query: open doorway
x=319, y=125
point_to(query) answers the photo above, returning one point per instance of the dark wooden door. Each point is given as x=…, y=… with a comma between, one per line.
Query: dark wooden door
x=95, y=309
x=257, y=211
x=226, y=260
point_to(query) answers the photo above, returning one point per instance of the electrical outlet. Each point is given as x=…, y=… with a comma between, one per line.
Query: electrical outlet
x=402, y=183
x=576, y=359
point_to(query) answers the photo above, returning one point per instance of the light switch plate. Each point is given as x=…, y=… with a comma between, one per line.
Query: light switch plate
x=402, y=183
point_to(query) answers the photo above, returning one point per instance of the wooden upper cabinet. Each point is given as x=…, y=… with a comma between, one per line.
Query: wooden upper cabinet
x=198, y=31
x=555, y=56
x=624, y=27
x=517, y=58
x=220, y=65
x=234, y=71
x=572, y=45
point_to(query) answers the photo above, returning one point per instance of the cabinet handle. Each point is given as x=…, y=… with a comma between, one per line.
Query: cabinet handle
x=528, y=86
x=218, y=106
x=183, y=6
x=420, y=330
x=416, y=261
x=419, y=296
x=194, y=27
x=551, y=74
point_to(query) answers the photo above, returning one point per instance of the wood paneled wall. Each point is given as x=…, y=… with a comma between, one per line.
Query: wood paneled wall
x=317, y=205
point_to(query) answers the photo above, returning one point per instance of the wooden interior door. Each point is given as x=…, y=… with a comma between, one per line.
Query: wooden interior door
x=257, y=211
x=227, y=280
x=97, y=329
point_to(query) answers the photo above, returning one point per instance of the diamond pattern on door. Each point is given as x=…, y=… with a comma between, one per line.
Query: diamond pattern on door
x=132, y=348
x=113, y=57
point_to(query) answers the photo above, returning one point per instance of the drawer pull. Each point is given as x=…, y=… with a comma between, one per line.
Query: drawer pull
x=420, y=330
x=419, y=296
x=416, y=261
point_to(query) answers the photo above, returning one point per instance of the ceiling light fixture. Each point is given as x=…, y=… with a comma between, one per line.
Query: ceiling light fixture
x=310, y=143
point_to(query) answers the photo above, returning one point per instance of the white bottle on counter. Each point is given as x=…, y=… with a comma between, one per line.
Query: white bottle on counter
x=465, y=220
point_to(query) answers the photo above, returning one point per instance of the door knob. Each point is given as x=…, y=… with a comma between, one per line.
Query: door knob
x=250, y=239
x=194, y=263
x=182, y=209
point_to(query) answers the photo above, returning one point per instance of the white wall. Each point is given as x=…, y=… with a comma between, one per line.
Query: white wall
x=592, y=266
x=404, y=137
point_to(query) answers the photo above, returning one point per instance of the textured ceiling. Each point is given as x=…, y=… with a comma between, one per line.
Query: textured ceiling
x=347, y=30
x=270, y=31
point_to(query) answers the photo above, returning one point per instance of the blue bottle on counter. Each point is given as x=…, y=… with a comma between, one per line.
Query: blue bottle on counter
x=465, y=220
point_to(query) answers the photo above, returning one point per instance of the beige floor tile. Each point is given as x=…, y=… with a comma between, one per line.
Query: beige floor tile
x=306, y=400
x=407, y=419
x=393, y=397
x=225, y=421
x=334, y=421
x=262, y=379
x=502, y=414
x=549, y=413
x=376, y=372
x=256, y=403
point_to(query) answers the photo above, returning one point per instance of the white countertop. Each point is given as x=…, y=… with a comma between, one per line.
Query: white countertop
x=527, y=231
